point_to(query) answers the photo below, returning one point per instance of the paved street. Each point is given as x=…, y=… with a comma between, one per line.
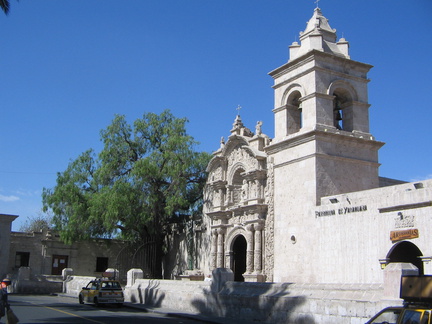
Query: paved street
x=58, y=309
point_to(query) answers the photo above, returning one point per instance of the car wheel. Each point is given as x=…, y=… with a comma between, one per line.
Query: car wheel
x=80, y=299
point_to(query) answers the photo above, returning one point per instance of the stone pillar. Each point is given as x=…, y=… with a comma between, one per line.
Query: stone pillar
x=258, y=248
x=220, y=247
x=392, y=278
x=220, y=277
x=229, y=259
x=256, y=256
x=228, y=199
x=249, y=249
x=133, y=275
x=112, y=273
x=24, y=273
x=214, y=244
x=67, y=272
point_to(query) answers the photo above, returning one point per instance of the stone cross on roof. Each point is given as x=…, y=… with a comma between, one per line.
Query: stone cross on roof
x=238, y=109
x=317, y=1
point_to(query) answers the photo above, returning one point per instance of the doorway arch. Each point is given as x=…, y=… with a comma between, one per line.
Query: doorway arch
x=406, y=252
x=239, y=257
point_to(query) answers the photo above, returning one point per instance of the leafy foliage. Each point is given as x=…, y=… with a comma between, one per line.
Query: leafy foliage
x=5, y=6
x=145, y=177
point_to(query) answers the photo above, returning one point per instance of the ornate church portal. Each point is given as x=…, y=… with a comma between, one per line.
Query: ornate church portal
x=236, y=200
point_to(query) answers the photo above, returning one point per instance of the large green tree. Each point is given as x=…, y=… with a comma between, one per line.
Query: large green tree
x=146, y=177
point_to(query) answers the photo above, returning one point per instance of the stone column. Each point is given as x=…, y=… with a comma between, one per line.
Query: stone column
x=228, y=199
x=133, y=275
x=220, y=247
x=258, y=248
x=214, y=243
x=249, y=249
x=229, y=259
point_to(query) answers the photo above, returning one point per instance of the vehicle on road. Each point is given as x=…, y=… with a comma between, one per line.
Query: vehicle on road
x=102, y=291
x=402, y=315
x=416, y=291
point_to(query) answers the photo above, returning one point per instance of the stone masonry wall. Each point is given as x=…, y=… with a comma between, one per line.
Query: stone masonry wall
x=263, y=302
x=254, y=302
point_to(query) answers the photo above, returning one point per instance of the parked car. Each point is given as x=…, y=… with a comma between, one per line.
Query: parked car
x=102, y=291
x=402, y=315
x=416, y=291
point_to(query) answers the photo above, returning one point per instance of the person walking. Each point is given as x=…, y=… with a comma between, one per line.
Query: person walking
x=4, y=305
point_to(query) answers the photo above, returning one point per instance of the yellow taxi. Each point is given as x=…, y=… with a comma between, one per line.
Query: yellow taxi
x=102, y=291
x=416, y=291
x=402, y=315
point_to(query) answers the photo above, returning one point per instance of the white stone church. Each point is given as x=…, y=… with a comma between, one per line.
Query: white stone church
x=308, y=205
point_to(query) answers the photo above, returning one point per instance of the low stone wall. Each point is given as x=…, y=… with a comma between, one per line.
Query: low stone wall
x=262, y=302
x=254, y=302
x=175, y=294
x=36, y=287
x=26, y=283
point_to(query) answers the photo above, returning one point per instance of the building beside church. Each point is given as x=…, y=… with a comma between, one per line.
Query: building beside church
x=308, y=205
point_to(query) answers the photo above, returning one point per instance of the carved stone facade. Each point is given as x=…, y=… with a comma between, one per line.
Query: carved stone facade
x=235, y=200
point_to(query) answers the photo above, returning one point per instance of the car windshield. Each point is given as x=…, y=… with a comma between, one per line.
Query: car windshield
x=411, y=317
x=389, y=316
x=110, y=285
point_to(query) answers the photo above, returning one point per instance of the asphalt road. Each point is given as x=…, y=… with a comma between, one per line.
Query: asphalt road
x=56, y=309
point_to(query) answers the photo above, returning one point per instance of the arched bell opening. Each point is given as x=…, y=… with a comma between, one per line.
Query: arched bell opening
x=343, y=110
x=294, y=113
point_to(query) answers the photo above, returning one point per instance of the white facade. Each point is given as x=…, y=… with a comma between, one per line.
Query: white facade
x=309, y=205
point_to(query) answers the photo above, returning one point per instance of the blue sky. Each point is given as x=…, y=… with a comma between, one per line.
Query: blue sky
x=67, y=67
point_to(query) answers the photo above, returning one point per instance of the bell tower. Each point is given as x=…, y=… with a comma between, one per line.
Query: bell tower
x=322, y=144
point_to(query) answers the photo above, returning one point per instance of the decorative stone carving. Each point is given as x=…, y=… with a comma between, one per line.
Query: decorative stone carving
x=258, y=128
x=244, y=192
x=214, y=248
x=250, y=248
x=217, y=174
x=269, y=226
x=220, y=247
x=240, y=154
x=258, y=248
x=237, y=204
